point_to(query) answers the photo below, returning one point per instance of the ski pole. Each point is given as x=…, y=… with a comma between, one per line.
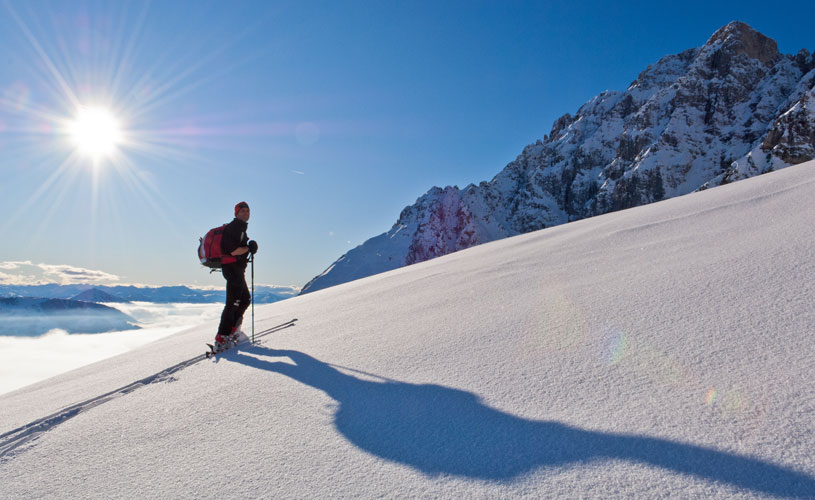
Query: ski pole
x=253, y=300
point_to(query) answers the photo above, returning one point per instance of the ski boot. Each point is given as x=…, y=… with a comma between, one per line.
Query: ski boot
x=237, y=335
x=222, y=343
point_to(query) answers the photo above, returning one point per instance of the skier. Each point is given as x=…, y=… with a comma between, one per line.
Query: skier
x=235, y=249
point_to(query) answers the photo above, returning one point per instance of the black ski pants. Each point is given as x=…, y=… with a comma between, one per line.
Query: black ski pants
x=238, y=298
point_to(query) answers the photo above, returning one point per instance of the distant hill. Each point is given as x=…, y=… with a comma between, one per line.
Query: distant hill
x=97, y=295
x=27, y=316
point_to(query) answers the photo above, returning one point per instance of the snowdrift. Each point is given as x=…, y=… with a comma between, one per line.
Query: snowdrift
x=662, y=351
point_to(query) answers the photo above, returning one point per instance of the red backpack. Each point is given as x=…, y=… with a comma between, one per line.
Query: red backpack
x=209, y=249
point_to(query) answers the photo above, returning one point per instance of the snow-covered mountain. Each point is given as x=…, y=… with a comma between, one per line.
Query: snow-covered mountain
x=663, y=351
x=731, y=109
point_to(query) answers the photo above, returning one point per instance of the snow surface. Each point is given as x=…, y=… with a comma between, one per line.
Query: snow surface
x=663, y=351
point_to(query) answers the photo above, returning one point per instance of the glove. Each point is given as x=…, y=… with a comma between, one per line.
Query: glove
x=253, y=247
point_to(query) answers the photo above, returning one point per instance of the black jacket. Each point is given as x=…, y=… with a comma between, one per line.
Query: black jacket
x=233, y=238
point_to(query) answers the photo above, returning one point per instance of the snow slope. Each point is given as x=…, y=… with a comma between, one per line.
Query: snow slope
x=661, y=351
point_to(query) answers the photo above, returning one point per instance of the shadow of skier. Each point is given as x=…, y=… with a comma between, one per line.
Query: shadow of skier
x=439, y=430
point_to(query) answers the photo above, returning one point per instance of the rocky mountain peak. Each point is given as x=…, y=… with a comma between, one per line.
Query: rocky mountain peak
x=730, y=109
x=739, y=38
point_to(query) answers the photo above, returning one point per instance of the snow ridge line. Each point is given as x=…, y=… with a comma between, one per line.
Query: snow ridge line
x=13, y=439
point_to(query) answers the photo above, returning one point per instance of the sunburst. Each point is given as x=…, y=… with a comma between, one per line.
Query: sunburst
x=94, y=118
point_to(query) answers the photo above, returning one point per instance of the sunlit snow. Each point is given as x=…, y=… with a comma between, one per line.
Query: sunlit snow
x=662, y=351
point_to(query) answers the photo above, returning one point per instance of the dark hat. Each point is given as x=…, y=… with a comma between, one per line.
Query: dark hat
x=240, y=205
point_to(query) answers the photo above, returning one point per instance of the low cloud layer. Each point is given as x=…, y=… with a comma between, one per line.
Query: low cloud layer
x=28, y=360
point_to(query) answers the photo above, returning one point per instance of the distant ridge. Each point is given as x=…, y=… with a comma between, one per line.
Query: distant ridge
x=96, y=295
x=27, y=316
x=264, y=294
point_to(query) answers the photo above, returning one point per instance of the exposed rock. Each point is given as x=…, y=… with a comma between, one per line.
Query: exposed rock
x=737, y=38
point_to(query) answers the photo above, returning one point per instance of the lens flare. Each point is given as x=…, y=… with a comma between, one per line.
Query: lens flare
x=614, y=347
x=711, y=396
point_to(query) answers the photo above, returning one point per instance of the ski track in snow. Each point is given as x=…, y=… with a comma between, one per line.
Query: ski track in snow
x=16, y=439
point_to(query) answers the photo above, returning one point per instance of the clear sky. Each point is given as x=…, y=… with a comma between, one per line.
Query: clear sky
x=328, y=118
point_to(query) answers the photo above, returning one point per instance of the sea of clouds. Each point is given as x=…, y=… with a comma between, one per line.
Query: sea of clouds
x=27, y=360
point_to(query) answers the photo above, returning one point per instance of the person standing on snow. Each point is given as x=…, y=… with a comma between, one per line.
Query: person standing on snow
x=235, y=249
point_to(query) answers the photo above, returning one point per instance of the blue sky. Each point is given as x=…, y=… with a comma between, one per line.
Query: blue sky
x=328, y=118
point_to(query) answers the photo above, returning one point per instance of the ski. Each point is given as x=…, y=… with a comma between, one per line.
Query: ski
x=213, y=352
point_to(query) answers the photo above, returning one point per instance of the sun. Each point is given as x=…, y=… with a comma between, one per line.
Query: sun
x=95, y=132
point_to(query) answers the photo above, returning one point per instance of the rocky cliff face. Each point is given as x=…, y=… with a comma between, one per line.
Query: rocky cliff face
x=728, y=110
